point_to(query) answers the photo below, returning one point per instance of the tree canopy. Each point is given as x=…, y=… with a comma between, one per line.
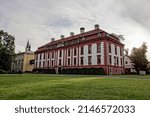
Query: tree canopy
x=7, y=50
x=139, y=58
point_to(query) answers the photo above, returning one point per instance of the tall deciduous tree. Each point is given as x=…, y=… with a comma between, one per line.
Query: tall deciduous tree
x=7, y=50
x=139, y=58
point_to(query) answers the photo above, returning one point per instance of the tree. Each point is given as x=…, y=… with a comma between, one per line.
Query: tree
x=126, y=52
x=139, y=58
x=7, y=50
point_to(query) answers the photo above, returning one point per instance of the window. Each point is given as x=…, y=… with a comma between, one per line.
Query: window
x=75, y=51
x=120, y=51
x=40, y=56
x=116, y=71
x=98, y=47
x=44, y=56
x=40, y=64
x=75, y=61
x=21, y=65
x=117, y=61
x=121, y=61
x=116, y=50
x=60, y=62
x=114, y=60
x=43, y=63
x=110, y=60
x=47, y=63
x=52, y=62
x=36, y=64
x=110, y=71
x=89, y=49
x=126, y=62
x=19, y=62
x=36, y=57
x=68, y=52
x=98, y=59
x=109, y=48
x=48, y=55
x=81, y=60
x=82, y=50
x=68, y=61
x=52, y=54
x=89, y=60
x=60, y=53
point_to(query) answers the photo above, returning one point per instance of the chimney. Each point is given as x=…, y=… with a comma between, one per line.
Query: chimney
x=96, y=26
x=71, y=33
x=82, y=30
x=52, y=39
x=62, y=36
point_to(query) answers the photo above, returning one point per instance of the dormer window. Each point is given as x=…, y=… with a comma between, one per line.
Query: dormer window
x=99, y=35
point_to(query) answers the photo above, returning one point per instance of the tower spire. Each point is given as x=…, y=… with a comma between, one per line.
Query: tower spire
x=28, y=46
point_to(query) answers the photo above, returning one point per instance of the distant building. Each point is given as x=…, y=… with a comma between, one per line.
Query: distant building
x=148, y=65
x=86, y=53
x=24, y=61
x=129, y=68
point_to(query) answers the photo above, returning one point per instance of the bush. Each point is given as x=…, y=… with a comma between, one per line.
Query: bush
x=84, y=71
x=10, y=72
x=5, y=72
x=1, y=71
x=19, y=72
x=47, y=71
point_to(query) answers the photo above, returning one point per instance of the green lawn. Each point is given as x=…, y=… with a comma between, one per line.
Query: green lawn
x=46, y=86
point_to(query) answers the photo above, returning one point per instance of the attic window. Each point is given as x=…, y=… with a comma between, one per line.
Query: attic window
x=83, y=38
x=99, y=35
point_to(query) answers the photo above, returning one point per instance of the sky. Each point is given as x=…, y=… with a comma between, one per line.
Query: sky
x=41, y=20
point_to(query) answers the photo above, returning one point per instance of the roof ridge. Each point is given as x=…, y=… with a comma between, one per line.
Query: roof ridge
x=75, y=36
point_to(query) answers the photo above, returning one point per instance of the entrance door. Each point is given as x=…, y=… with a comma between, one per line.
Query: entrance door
x=59, y=70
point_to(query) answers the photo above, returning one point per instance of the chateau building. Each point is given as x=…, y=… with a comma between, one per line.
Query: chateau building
x=91, y=52
x=24, y=61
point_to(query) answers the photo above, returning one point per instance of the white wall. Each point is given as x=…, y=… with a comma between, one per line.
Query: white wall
x=85, y=55
x=94, y=54
x=102, y=53
x=113, y=54
x=38, y=60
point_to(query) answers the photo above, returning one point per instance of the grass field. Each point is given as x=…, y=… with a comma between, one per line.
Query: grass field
x=66, y=87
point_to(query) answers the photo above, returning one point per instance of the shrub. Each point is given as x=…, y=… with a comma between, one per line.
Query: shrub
x=1, y=71
x=10, y=72
x=4, y=72
x=47, y=71
x=85, y=71
x=19, y=72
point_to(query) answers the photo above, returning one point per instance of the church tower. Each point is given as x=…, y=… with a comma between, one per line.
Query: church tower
x=28, y=47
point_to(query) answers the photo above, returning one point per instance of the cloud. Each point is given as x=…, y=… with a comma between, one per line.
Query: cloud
x=138, y=10
x=43, y=19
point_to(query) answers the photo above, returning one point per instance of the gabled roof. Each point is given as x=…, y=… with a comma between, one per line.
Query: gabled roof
x=85, y=34
x=88, y=33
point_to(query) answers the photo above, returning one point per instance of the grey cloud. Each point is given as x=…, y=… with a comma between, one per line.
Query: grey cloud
x=40, y=20
x=138, y=10
x=60, y=22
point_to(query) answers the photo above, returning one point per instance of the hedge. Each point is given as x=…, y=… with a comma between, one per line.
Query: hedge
x=85, y=71
x=49, y=71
